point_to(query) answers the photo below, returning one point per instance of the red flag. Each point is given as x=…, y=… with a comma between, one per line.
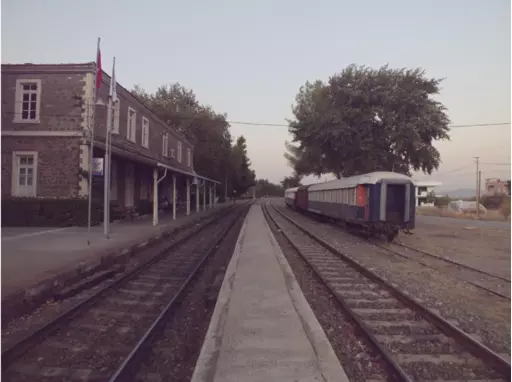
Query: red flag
x=98, y=67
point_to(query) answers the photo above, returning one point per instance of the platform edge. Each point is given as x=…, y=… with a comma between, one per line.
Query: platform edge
x=206, y=364
x=328, y=362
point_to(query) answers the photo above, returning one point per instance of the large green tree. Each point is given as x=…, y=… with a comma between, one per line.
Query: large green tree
x=365, y=120
x=214, y=155
x=291, y=181
x=263, y=187
x=242, y=177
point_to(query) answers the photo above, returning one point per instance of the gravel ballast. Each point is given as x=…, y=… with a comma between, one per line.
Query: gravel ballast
x=103, y=340
x=392, y=326
x=358, y=357
x=174, y=354
x=21, y=326
x=477, y=312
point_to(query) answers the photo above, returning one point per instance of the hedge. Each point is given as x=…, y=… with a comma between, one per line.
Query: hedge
x=43, y=212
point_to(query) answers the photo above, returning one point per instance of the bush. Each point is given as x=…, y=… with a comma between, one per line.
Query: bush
x=46, y=212
x=442, y=201
x=505, y=208
x=493, y=202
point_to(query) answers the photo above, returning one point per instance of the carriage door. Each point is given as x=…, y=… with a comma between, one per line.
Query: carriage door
x=395, y=202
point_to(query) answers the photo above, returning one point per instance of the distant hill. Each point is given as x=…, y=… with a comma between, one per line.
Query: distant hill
x=459, y=193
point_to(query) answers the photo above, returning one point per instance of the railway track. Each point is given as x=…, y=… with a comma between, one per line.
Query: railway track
x=417, y=343
x=490, y=282
x=91, y=340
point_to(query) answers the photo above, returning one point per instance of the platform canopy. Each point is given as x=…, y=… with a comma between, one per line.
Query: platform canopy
x=189, y=173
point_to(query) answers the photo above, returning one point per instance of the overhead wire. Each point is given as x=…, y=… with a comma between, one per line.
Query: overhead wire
x=248, y=123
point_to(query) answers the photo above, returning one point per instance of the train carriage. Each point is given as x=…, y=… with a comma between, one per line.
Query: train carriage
x=380, y=202
x=289, y=196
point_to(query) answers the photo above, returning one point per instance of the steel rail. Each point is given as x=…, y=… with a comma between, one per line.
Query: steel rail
x=13, y=352
x=441, y=270
x=129, y=367
x=455, y=263
x=397, y=370
x=478, y=349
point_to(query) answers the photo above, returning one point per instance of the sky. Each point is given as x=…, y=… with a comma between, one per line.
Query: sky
x=249, y=59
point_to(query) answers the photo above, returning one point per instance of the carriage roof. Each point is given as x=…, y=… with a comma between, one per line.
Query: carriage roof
x=353, y=181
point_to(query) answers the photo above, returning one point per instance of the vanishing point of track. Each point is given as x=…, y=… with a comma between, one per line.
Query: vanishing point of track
x=100, y=337
x=416, y=342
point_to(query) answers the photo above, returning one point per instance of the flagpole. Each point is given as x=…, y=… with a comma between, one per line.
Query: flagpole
x=91, y=150
x=108, y=155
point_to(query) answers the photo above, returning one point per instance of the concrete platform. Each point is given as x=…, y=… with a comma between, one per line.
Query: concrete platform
x=262, y=328
x=31, y=256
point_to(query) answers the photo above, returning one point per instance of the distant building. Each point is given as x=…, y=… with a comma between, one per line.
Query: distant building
x=423, y=189
x=465, y=206
x=495, y=186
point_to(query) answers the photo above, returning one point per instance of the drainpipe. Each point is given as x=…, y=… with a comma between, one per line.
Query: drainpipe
x=188, y=196
x=156, y=181
x=173, y=197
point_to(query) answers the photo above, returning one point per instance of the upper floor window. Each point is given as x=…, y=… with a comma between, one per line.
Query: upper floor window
x=165, y=144
x=145, y=132
x=27, y=107
x=115, y=122
x=189, y=158
x=179, y=152
x=117, y=109
x=131, y=125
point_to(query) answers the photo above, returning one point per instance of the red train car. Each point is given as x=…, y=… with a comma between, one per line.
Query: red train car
x=301, y=198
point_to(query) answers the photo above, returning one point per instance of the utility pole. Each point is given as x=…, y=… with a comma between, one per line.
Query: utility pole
x=477, y=188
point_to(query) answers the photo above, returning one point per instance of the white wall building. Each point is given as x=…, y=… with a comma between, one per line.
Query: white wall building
x=423, y=188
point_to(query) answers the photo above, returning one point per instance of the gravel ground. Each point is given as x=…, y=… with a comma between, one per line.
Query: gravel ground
x=429, y=364
x=491, y=282
x=20, y=327
x=174, y=355
x=485, y=316
x=104, y=339
x=359, y=358
x=483, y=248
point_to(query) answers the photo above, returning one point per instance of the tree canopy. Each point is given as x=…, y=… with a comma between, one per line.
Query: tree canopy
x=264, y=187
x=365, y=120
x=291, y=181
x=214, y=155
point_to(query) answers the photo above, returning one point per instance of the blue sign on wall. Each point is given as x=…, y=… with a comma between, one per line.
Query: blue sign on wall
x=97, y=166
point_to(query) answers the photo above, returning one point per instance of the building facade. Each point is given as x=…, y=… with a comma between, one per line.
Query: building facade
x=423, y=189
x=48, y=114
x=496, y=186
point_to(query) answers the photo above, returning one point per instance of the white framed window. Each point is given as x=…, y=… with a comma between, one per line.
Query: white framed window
x=145, y=132
x=189, y=158
x=115, y=122
x=173, y=153
x=117, y=110
x=165, y=145
x=113, y=180
x=27, y=103
x=24, y=173
x=179, y=152
x=131, y=126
